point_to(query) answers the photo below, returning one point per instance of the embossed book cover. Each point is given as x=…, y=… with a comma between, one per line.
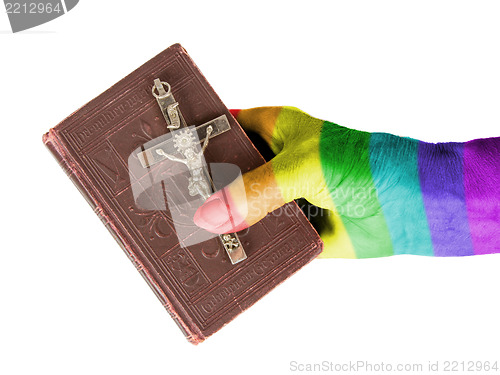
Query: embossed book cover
x=145, y=154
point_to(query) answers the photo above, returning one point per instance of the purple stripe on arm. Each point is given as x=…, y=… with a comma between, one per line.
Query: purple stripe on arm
x=441, y=181
x=482, y=192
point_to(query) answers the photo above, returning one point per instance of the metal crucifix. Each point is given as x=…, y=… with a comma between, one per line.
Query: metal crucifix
x=185, y=142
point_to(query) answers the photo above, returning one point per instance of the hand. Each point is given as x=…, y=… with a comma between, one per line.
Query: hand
x=306, y=165
x=383, y=194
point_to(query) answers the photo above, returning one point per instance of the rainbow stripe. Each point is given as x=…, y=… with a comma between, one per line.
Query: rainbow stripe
x=388, y=194
x=437, y=199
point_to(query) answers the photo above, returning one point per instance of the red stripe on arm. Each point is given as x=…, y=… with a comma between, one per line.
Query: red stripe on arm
x=235, y=112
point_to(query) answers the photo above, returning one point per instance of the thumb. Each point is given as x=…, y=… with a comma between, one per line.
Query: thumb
x=249, y=198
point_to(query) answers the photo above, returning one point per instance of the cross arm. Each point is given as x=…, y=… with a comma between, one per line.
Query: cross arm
x=150, y=156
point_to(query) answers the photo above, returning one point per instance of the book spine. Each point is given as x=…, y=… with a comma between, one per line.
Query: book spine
x=71, y=168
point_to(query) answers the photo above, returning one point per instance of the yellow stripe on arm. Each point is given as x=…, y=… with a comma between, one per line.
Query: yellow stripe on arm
x=336, y=240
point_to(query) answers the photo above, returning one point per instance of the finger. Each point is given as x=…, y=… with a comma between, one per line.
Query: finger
x=249, y=198
x=261, y=120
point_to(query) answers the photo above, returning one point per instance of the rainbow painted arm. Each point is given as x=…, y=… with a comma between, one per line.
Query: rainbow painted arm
x=383, y=194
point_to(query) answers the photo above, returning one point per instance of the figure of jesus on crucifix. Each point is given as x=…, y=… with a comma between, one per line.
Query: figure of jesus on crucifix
x=185, y=143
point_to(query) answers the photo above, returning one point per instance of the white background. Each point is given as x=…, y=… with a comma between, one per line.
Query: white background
x=71, y=301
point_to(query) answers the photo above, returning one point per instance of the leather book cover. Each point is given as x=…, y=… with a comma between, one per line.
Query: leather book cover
x=198, y=285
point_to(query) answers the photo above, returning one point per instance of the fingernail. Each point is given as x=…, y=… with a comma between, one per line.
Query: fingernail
x=211, y=215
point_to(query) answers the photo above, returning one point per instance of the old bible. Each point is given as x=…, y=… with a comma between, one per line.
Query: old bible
x=128, y=151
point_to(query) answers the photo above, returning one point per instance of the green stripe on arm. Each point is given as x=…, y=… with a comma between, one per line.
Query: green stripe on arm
x=345, y=162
